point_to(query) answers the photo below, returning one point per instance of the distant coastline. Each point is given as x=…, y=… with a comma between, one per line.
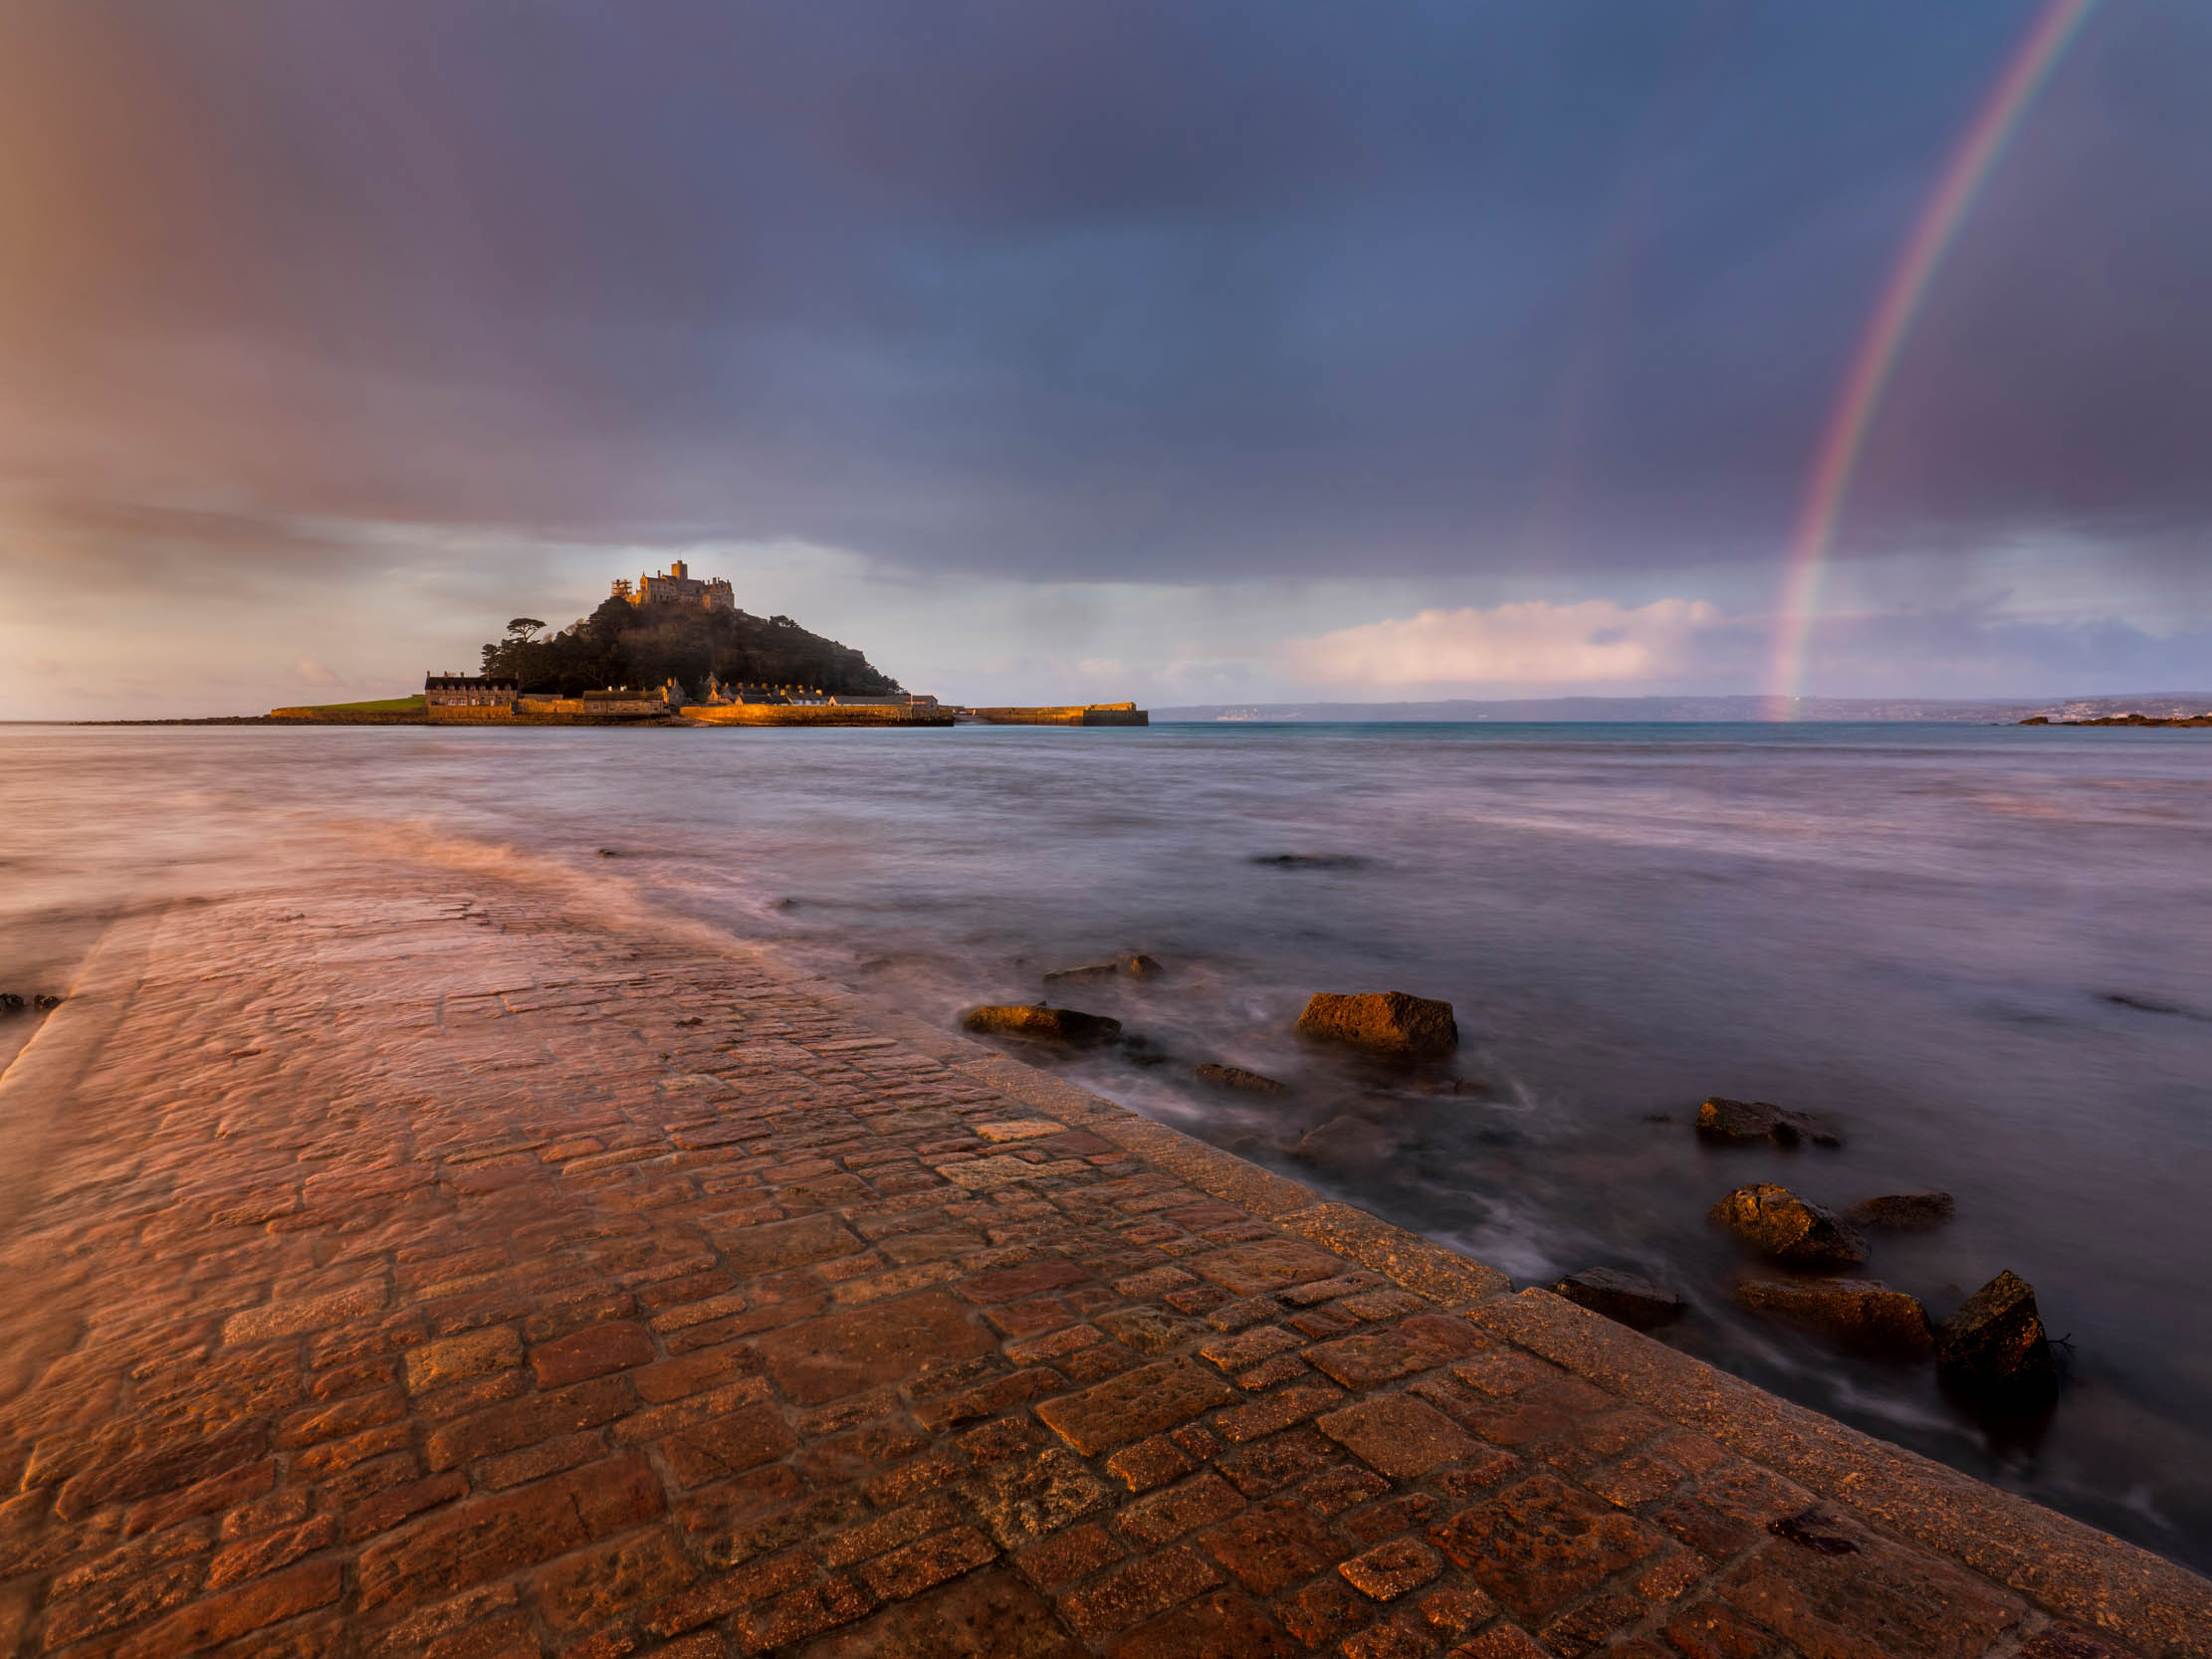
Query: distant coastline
x=2152, y=706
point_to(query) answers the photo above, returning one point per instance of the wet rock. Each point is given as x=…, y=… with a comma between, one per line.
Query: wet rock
x=1622, y=1297
x=1239, y=1079
x=1312, y=860
x=1742, y=1120
x=1996, y=1338
x=608, y=852
x=1345, y=1143
x=1040, y=1023
x=1785, y=1228
x=44, y=1002
x=1134, y=967
x=1386, y=1022
x=1903, y=1212
x=1862, y=1315
x=10, y=1003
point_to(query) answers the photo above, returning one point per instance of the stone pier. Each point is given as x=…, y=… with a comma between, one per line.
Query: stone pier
x=418, y=1266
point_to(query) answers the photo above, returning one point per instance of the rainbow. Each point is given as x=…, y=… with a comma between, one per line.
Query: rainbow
x=1938, y=224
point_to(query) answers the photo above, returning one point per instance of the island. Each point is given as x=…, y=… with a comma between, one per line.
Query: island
x=673, y=649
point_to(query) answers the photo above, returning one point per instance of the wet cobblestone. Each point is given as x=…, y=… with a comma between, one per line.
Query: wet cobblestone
x=441, y=1273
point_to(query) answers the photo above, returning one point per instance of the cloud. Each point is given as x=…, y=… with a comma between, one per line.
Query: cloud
x=1188, y=292
x=1534, y=643
x=314, y=673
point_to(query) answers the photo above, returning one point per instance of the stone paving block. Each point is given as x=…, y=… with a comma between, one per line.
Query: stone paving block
x=1133, y=1405
x=591, y=1352
x=1390, y=1569
x=1397, y=1434
x=1242, y=1269
x=1370, y=1358
x=457, y=1359
x=1273, y=1546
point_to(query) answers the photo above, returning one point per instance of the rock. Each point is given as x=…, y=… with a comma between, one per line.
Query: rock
x=1996, y=1338
x=1388, y=1022
x=1345, y=1143
x=1903, y=1212
x=1862, y=1314
x=10, y=1003
x=1135, y=967
x=44, y=1002
x=1042, y=1024
x=1312, y=860
x=608, y=852
x=1239, y=1079
x=1786, y=1228
x=1622, y=1297
x=1740, y=1120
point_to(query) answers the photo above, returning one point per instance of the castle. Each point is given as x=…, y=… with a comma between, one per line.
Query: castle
x=677, y=586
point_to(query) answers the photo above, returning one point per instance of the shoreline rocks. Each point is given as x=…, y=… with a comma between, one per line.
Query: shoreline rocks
x=1382, y=1022
x=1996, y=1339
x=1040, y=1023
x=1786, y=1228
x=1736, y=1121
x=1621, y=1296
x=1903, y=1212
x=1139, y=967
x=1862, y=1314
x=1239, y=1080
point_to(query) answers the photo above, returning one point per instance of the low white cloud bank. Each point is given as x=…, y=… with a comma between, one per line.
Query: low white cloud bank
x=1531, y=643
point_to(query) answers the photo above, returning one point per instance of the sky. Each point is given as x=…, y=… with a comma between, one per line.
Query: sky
x=1164, y=348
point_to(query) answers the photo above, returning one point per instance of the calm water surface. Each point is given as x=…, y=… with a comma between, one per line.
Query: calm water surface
x=1987, y=954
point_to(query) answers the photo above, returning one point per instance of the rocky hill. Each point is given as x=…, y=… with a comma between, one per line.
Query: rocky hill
x=621, y=644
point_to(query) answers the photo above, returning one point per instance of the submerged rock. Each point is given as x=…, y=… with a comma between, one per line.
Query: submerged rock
x=1742, y=1120
x=1345, y=1143
x=1386, y=1022
x=1622, y=1297
x=1042, y=1024
x=1862, y=1314
x=1785, y=1228
x=1135, y=967
x=1903, y=1212
x=1996, y=1338
x=1312, y=860
x=1239, y=1079
x=42, y=1003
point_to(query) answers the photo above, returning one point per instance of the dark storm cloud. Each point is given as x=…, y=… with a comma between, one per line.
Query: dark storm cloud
x=1195, y=289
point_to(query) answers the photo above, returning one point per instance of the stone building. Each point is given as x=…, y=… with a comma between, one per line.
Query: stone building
x=677, y=587
x=468, y=690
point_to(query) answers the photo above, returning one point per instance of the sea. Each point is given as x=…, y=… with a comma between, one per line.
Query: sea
x=1984, y=953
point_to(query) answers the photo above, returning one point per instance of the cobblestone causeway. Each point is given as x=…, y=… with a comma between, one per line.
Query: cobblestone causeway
x=410, y=1270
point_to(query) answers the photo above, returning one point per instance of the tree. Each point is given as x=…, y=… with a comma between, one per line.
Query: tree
x=621, y=644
